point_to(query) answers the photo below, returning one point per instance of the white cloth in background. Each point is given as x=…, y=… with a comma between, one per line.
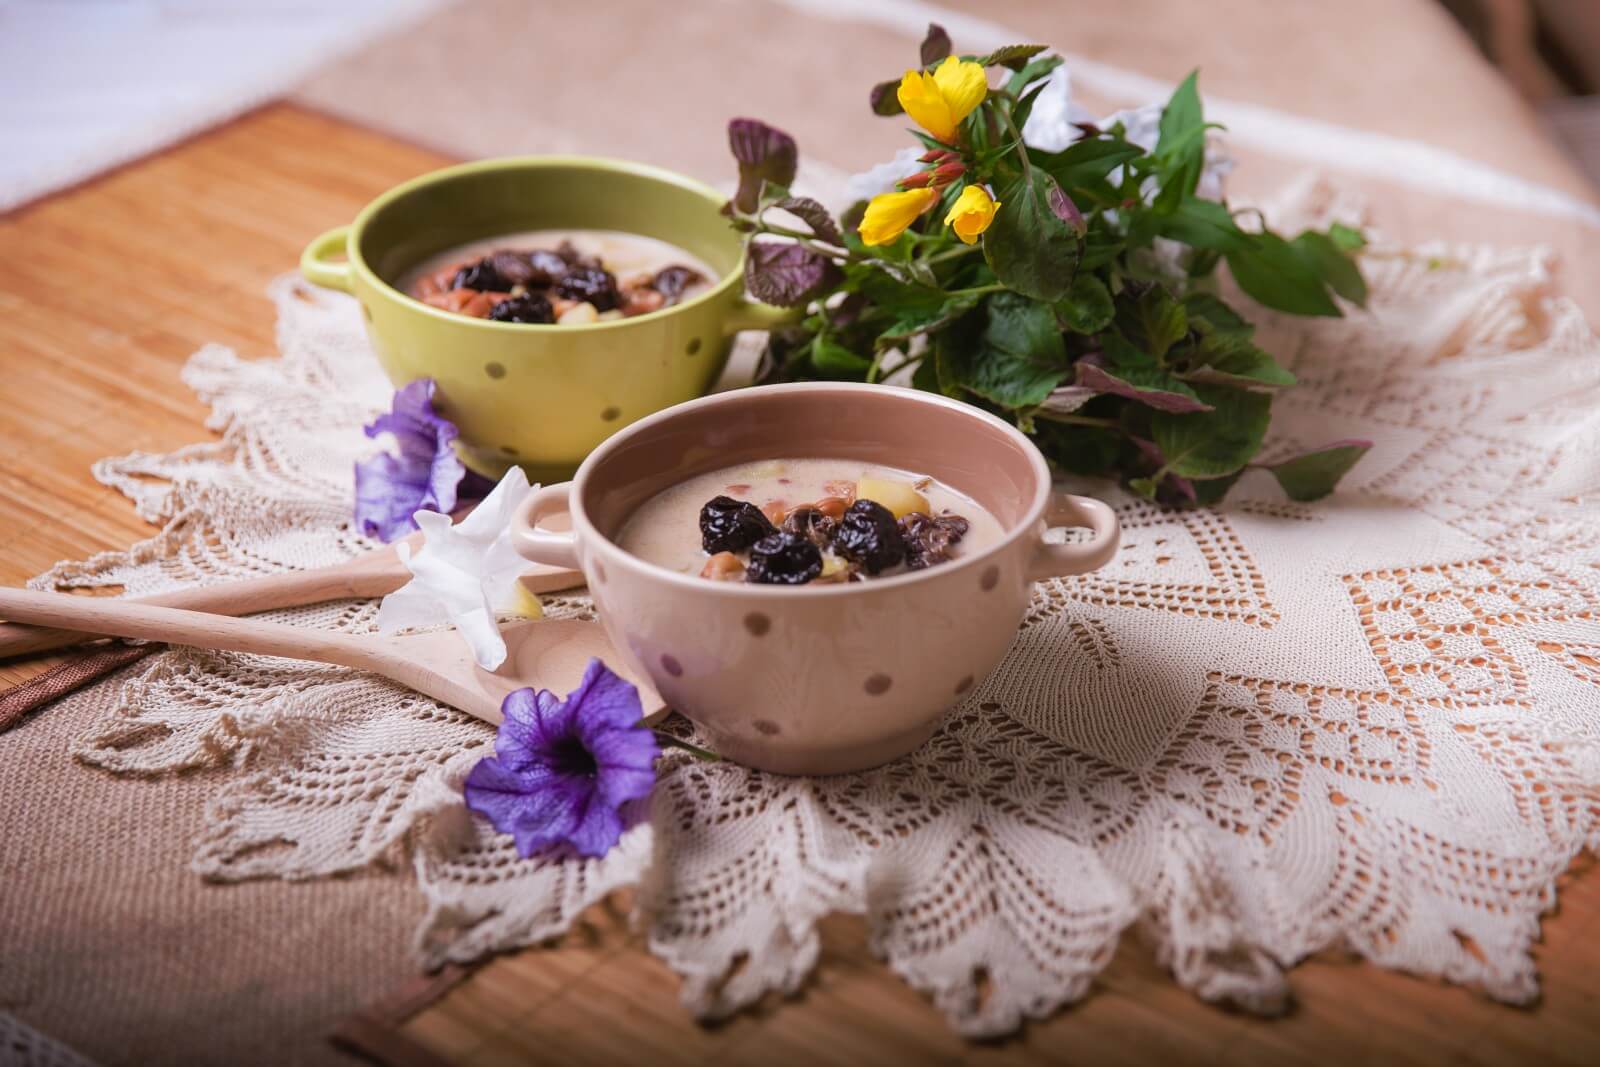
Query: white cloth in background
x=87, y=85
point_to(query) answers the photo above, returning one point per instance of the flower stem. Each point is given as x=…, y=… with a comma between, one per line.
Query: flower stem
x=810, y=240
x=666, y=740
x=1080, y=420
x=952, y=253
x=1022, y=149
x=977, y=290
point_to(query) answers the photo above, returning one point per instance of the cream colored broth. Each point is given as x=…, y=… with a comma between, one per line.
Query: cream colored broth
x=665, y=530
x=623, y=254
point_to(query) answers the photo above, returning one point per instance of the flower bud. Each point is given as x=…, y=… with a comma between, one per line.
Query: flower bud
x=917, y=180
x=946, y=173
x=932, y=155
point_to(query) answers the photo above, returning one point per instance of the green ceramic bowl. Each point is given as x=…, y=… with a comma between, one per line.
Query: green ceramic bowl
x=535, y=395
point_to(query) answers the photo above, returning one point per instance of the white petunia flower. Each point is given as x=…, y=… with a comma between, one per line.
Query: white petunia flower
x=465, y=573
x=882, y=178
x=1051, y=124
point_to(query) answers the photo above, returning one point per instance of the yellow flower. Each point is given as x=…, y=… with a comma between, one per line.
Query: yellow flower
x=939, y=101
x=971, y=213
x=888, y=214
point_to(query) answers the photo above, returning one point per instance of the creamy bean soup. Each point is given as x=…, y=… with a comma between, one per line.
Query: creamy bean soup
x=797, y=521
x=565, y=277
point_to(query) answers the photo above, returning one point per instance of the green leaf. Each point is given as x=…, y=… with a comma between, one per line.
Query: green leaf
x=1209, y=314
x=1014, y=56
x=1024, y=108
x=1086, y=450
x=1181, y=148
x=836, y=361
x=1029, y=248
x=1230, y=359
x=1087, y=162
x=1347, y=238
x=1155, y=322
x=1087, y=307
x=1313, y=475
x=1274, y=273
x=922, y=317
x=1333, y=265
x=1208, y=491
x=1035, y=71
x=1211, y=444
x=1204, y=224
x=1017, y=359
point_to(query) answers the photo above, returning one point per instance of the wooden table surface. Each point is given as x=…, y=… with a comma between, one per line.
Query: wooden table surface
x=104, y=293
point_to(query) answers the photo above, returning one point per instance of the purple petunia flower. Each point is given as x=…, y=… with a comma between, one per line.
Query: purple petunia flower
x=563, y=769
x=425, y=475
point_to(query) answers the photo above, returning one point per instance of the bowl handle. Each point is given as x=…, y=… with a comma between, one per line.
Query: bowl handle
x=1078, y=557
x=551, y=547
x=314, y=260
x=749, y=314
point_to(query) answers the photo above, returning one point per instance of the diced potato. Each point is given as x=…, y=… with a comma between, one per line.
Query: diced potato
x=898, y=497
x=723, y=567
x=610, y=316
x=578, y=315
x=832, y=566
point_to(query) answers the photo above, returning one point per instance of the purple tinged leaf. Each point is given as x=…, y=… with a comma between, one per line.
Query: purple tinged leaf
x=1062, y=206
x=1067, y=399
x=1092, y=374
x=814, y=215
x=786, y=275
x=764, y=154
x=936, y=46
x=1149, y=451
x=1172, y=488
x=885, y=98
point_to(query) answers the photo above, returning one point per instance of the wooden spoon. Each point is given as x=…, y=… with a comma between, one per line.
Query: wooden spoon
x=371, y=574
x=542, y=653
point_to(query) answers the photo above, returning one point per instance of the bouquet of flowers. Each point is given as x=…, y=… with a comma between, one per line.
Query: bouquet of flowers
x=1065, y=280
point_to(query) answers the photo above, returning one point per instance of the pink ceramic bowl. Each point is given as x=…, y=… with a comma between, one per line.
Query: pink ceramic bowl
x=817, y=679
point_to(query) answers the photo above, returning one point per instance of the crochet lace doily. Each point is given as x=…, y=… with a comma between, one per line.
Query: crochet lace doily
x=1262, y=730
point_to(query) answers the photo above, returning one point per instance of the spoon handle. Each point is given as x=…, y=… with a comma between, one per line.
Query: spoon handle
x=371, y=574
x=124, y=618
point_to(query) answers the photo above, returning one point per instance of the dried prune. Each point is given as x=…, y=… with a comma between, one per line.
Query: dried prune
x=512, y=267
x=530, y=307
x=593, y=284
x=545, y=267
x=671, y=281
x=573, y=258
x=811, y=524
x=869, y=535
x=783, y=558
x=928, y=537
x=729, y=525
x=481, y=276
